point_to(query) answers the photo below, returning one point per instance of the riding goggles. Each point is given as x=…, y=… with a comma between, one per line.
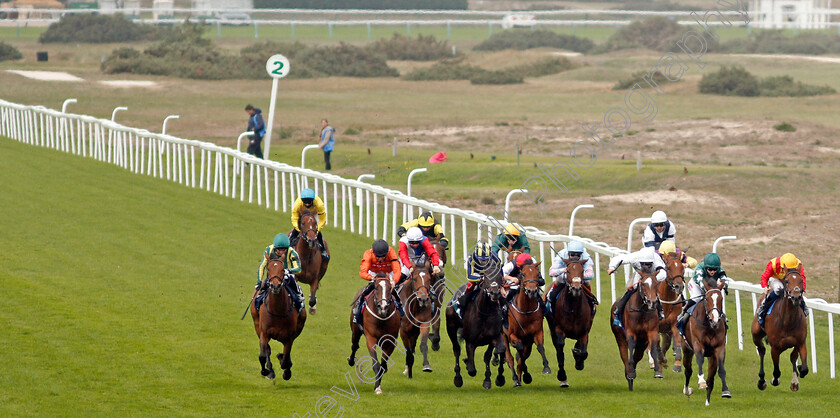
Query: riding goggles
x=658, y=224
x=307, y=201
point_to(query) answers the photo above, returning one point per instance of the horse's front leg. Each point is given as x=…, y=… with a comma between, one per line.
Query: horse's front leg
x=500, y=349
x=580, y=351
x=677, y=349
x=313, y=289
x=713, y=366
x=794, y=383
x=424, y=348
x=487, y=373
x=699, y=357
x=761, y=349
x=803, y=355
x=720, y=354
x=286, y=360
x=265, y=357
x=774, y=354
x=469, y=361
x=540, y=342
x=653, y=343
x=687, y=389
x=560, y=347
x=509, y=361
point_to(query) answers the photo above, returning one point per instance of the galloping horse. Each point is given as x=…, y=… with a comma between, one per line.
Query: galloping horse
x=438, y=289
x=705, y=336
x=312, y=266
x=670, y=292
x=785, y=327
x=572, y=318
x=525, y=325
x=278, y=320
x=482, y=325
x=420, y=311
x=380, y=327
x=641, y=328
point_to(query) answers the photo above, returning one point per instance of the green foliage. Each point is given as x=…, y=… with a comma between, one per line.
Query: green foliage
x=775, y=42
x=422, y=48
x=497, y=77
x=9, y=52
x=363, y=4
x=729, y=81
x=444, y=70
x=784, y=127
x=656, y=33
x=655, y=5
x=543, y=67
x=526, y=39
x=784, y=85
x=90, y=28
x=350, y=131
x=346, y=60
x=636, y=77
x=736, y=81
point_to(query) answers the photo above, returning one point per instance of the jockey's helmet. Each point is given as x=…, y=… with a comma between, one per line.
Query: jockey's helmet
x=667, y=247
x=575, y=247
x=711, y=260
x=511, y=229
x=307, y=196
x=414, y=234
x=281, y=241
x=658, y=217
x=523, y=259
x=645, y=260
x=789, y=261
x=482, y=252
x=380, y=248
x=426, y=219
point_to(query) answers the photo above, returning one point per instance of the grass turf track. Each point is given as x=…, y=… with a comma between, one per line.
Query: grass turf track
x=122, y=295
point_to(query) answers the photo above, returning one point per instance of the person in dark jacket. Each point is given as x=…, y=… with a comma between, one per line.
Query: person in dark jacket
x=257, y=126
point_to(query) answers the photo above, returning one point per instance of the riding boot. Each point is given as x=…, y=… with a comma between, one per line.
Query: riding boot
x=765, y=305
x=549, y=300
x=324, y=255
x=397, y=302
x=619, y=308
x=660, y=310
x=357, y=309
x=293, y=238
x=461, y=302
x=506, y=305
x=541, y=281
x=803, y=306
x=296, y=293
x=592, y=301
x=684, y=315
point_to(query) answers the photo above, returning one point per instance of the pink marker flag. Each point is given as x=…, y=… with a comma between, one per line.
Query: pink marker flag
x=438, y=158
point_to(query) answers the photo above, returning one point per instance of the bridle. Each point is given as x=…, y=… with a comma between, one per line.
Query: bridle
x=277, y=289
x=311, y=227
x=708, y=312
x=377, y=300
x=786, y=282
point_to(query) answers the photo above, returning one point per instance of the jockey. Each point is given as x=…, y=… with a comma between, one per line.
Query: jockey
x=511, y=239
x=379, y=261
x=279, y=249
x=511, y=271
x=707, y=270
x=308, y=201
x=668, y=247
x=772, y=281
x=477, y=268
x=416, y=248
x=430, y=227
x=574, y=252
x=659, y=230
x=646, y=261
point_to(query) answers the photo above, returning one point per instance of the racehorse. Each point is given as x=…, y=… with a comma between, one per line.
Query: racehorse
x=313, y=267
x=525, y=325
x=438, y=289
x=278, y=320
x=670, y=293
x=482, y=325
x=420, y=310
x=381, y=325
x=641, y=328
x=705, y=336
x=572, y=318
x=784, y=327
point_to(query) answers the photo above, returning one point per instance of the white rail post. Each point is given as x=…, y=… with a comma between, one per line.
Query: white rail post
x=630, y=245
x=507, y=200
x=163, y=129
x=239, y=140
x=572, y=218
x=727, y=237
x=67, y=102
x=408, y=192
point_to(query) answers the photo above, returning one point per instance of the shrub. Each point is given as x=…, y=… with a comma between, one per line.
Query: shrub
x=775, y=42
x=784, y=127
x=656, y=33
x=496, y=77
x=362, y=4
x=546, y=66
x=526, y=39
x=444, y=70
x=90, y=28
x=350, y=131
x=423, y=48
x=785, y=86
x=655, y=5
x=346, y=60
x=729, y=81
x=636, y=77
x=8, y=52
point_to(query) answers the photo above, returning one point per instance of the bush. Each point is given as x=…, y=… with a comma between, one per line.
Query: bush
x=775, y=42
x=729, y=81
x=543, y=67
x=656, y=33
x=496, y=77
x=526, y=39
x=655, y=5
x=445, y=70
x=350, y=131
x=346, y=60
x=8, y=52
x=423, y=48
x=90, y=28
x=362, y=4
x=784, y=127
x=636, y=77
x=784, y=85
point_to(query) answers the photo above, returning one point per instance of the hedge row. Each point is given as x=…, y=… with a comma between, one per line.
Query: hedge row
x=527, y=39
x=422, y=48
x=363, y=4
x=8, y=52
x=455, y=70
x=736, y=81
x=90, y=28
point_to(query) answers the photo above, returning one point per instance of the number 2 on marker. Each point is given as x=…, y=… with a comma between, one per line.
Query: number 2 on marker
x=279, y=65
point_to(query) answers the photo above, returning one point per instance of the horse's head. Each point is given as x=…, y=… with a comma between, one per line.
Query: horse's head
x=675, y=271
x=529, y=277
x=793, y=285
x=308, y=225
x=382, y=295
x=574, y=276
x=276, y=276
x=421, y=280
x=647, y=290
x=714, y=305
x=493, y=280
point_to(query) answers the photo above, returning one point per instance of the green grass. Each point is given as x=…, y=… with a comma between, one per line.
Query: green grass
x=122, y=295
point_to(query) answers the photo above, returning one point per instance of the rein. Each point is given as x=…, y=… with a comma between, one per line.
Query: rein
x=282, y=286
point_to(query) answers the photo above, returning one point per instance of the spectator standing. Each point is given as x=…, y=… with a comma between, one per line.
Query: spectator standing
x=327, y=142
x=256, y=124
